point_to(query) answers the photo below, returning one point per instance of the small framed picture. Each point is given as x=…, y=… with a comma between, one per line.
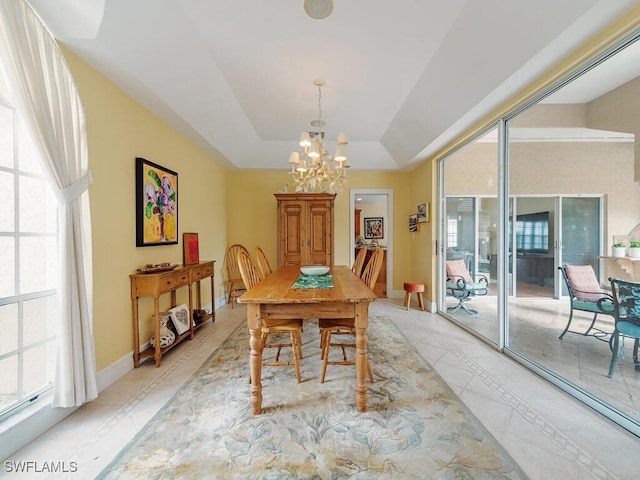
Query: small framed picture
x=424, y=212
x=374, y=227
x=413, y=222
x=191, y=248
x=181, y=318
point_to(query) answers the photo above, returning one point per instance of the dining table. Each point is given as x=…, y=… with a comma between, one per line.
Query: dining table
x=275, y=298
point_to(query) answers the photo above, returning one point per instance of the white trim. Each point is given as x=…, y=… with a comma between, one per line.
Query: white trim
x=352, y=205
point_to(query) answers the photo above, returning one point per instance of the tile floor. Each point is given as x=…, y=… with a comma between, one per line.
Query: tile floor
x=550, y=434
x=534, y=327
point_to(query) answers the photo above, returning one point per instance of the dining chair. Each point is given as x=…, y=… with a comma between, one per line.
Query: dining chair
x=330, y=327
x=626, y=311
x=586, y=295
x=251, y=276
x=359, y=261
x=233, y=273
x=263, y=262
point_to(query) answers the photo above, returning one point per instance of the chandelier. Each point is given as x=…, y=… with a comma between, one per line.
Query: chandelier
x=315, y=169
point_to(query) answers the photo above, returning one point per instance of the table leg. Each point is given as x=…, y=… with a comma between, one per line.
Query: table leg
x=255, y=358
x=361, y=323
x=157, y=355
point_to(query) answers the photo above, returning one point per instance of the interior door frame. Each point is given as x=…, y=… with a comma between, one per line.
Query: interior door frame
x=353, y=193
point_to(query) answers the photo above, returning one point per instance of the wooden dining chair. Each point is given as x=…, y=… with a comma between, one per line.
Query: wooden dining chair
x=251, y=276
x=263, y=262
x=233, y=273
x=359, y=261
x=330, y=327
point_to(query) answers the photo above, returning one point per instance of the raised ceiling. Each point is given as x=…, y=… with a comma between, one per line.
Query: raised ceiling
x=402, y=77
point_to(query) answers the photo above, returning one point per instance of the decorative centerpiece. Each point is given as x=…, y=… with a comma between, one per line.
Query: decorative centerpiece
x=314, y=270
x=158, y=267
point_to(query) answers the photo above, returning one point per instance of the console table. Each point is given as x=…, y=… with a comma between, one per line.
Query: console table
x=156, y=284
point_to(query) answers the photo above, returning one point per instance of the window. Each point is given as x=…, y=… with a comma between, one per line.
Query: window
x=452, y=232
x=28, y=262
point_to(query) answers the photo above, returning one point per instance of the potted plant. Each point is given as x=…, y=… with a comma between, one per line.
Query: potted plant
x=618, y=250
x=634, y=249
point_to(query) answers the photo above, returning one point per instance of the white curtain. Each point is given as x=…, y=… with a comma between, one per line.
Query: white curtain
x=47, y=100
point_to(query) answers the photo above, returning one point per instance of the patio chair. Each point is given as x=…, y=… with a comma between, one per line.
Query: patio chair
x=586, y=295
x=626, y=312
x=462, y=287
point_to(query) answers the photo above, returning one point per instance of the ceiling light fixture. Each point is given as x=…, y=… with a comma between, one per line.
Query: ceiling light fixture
x=318, y=9
x=317, y=170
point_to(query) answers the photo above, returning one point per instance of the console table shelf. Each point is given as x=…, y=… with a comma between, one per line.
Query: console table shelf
x=156, y=284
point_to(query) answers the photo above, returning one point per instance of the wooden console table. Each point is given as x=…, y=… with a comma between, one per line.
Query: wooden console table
x=156, y=284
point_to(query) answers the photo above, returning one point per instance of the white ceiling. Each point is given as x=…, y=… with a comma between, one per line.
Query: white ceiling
x=402, y=77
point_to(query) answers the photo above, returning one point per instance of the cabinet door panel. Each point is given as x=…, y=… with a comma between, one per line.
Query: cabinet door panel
x=320, y=234
x=293, y=234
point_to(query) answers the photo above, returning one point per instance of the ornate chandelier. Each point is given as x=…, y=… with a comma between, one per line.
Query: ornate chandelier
x=315, y=169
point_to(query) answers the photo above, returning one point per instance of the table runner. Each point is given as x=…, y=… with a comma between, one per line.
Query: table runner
x=314, y=281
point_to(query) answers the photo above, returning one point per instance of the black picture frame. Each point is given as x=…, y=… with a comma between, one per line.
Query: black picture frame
x=414, y=226
x=156, y=204
x=374, y=227
x=424, y=212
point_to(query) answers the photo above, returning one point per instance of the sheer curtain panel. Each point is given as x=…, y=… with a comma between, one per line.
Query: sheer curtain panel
x=47, y=100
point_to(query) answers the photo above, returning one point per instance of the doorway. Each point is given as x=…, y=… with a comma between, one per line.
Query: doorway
x=376, y=207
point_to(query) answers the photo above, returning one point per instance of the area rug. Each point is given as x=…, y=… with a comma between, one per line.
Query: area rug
x=414, y=427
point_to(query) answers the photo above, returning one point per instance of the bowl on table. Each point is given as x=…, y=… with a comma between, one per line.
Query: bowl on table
x=314, y=270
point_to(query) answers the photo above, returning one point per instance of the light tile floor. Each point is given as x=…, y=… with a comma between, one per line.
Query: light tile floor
x=550, y=434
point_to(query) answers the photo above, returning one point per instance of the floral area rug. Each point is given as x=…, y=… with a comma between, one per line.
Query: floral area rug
x=414, y=427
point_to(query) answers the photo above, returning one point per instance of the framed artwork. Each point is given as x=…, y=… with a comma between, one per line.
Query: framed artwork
x=373, y=227
x=191, y=248
x=156, y=204
x=413, y=222
x=181, y=318
x=424, y=212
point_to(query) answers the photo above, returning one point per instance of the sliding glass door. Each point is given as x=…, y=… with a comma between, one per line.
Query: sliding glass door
x=569, y=176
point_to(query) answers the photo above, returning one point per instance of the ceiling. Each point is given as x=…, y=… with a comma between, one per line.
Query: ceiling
x=403, y=77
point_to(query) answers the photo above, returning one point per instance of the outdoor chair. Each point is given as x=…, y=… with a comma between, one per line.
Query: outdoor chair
x=462, y=287
x=626, y=312
x=586, y=295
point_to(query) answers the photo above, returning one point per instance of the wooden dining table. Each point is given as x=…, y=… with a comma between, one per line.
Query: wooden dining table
x=274, y=298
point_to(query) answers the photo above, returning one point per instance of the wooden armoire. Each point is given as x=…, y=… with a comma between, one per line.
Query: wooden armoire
x=305, y=228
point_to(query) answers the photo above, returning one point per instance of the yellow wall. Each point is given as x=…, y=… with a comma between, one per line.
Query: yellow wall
x=119, y=130
x=223, y=207
x=422, y=244
x=252, y=213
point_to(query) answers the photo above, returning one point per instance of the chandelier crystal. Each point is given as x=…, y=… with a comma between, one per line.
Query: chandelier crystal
x=315, y=170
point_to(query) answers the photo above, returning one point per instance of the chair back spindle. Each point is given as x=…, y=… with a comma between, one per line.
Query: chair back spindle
x=263, y=263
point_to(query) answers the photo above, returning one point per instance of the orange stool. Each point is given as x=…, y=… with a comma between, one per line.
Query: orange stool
x=413, y=287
